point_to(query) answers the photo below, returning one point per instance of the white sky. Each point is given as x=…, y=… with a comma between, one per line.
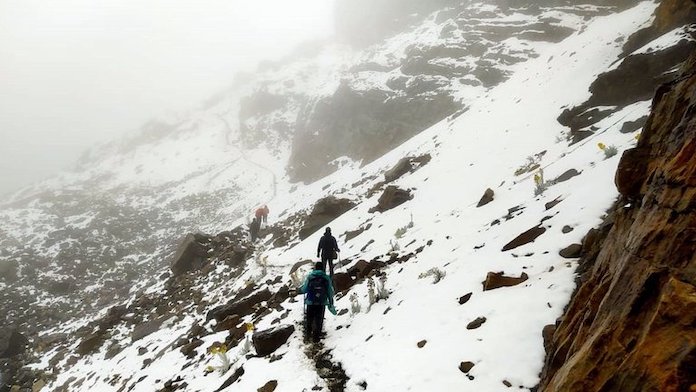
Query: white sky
x=77, y=72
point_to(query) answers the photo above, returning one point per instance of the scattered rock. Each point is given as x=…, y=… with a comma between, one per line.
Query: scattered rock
x=422, y=343
x=149, y=327
x=486, y=198
x=572, y=251
x=507, y=383
x=525, y=238
x=565, y=176
x=476, y=323
x=241, y=308
x=552, y=203
x=496, y=280
x=566, y=229
x=391, y=197
x=91, y=343
x=269, y=386
x=189, y=350
x=464, y=298
x=239, y=372
x=465, y=367
x=266, y=342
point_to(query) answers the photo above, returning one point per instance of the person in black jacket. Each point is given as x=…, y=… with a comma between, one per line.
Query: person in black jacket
x=328, y=249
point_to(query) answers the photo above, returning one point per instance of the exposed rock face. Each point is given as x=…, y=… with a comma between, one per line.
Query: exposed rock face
x=266, y=342
x=525, y=238
x=190, y=255
x=638, y=75
x=632, y=323
x=240, y=308
x=326, y=210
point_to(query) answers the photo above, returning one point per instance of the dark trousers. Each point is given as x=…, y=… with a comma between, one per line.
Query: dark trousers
x=314, y=321
x=324, y=260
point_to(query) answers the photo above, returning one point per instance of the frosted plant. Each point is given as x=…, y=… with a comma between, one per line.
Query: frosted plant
x=246, y=346
x=354, y=304
x=540, y=183
x=295, y=278
x=382, y=292
x=371, y=295
x=225, y=363
x=609, y=151
x=402, y=230
x=435, y=272
x=394, y=246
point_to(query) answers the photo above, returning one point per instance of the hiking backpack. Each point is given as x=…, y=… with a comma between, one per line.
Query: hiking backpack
x=317, y=289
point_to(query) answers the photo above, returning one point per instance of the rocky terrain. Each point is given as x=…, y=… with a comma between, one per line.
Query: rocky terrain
x=454, y=152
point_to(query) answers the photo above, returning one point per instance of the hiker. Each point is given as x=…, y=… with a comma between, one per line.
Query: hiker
x=262, y=213
x=319, y=292
x=254, y=227
x=328, y=248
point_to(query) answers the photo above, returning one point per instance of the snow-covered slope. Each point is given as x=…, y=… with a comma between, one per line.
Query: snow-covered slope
x=132, y=201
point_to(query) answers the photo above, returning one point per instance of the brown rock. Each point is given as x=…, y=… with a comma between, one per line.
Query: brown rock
x=269, y=386
x=343, y=281
x=422, y=343
x=464, y=298
x=525, y=238
x=91, y=343
x=149, y=327
x=392, y=197
x=486, y=198
x=547, y=334
x=11, y=342
x=465, y=367
x=552, y=203
x=476, y=323
x=267, y=341
x=496, y=280
x=189, y=350
x=572, y=251
x=567, y=175
x=566, y=229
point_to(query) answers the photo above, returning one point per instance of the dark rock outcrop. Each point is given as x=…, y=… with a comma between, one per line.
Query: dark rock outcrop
x=392, y=197
x=631, y=325
x=191, y=254
x=266, y=342
x=571, y=251
x=324, y=211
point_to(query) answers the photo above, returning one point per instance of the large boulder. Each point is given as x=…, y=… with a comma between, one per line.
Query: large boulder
x=324, y=211
x=191, y=254
x=486, y=198
x=11, y=342
x=267, y=341
x=392, y=197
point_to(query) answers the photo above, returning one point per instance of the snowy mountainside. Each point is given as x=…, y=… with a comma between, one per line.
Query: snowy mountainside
x=452, y=334
x=117, y=217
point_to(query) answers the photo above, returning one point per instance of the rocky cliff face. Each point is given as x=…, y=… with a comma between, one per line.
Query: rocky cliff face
x=632, y=324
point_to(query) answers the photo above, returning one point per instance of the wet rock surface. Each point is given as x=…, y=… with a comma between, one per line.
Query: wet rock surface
x=267, y=341
x=631, y=323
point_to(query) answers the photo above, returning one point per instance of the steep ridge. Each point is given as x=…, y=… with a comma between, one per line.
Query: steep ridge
x=631, y=326
x=464, y=292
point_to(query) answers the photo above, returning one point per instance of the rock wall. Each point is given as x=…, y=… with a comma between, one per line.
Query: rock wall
x=631, y=325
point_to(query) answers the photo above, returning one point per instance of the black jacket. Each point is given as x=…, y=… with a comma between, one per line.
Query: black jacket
x=327, y=245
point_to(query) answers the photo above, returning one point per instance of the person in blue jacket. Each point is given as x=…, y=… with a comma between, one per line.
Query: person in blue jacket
x=318, y=290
